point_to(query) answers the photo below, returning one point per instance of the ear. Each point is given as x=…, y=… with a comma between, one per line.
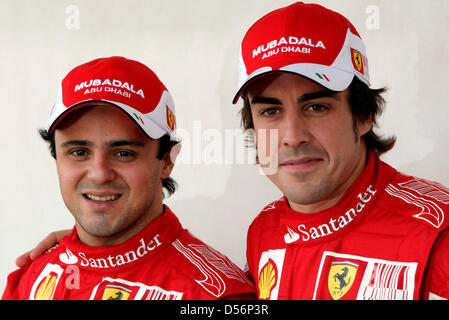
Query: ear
x=168, y=161
x=365, y=126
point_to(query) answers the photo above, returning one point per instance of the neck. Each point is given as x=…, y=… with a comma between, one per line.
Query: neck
x=124, y=232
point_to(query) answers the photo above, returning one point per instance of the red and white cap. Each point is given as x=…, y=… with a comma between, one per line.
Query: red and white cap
x=122, y=83
x=306, y=39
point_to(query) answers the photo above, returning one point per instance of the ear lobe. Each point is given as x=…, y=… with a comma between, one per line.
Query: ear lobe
x=174, y=152
x=168, y=161
x=365, y=126
x=166, y=167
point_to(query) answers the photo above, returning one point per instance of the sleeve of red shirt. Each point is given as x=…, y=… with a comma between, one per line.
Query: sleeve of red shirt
x=12, y=285
x=437, y=274
x=250, y=252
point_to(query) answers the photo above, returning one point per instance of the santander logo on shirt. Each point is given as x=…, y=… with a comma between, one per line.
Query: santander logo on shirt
x=307, y=233
x=112, y=260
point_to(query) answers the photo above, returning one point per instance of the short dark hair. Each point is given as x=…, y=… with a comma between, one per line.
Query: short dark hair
x=165, y=147
x=364, y=103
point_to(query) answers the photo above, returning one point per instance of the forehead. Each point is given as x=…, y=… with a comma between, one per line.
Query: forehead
x=99, y=123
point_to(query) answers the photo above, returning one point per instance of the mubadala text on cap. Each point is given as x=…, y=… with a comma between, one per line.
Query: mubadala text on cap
x=286, y=49
x=108, y=89
x=290, y=40
x=109, y=82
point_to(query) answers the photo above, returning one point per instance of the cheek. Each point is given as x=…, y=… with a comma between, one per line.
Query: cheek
x=265, y=135
x=336, y=136
x=267, y=140
x=68, y=176
x=141, y=179
x=267, y=146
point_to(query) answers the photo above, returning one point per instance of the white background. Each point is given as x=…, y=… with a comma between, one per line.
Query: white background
x=193, y=47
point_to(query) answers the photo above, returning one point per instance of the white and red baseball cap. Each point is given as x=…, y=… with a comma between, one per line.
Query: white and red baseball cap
x=306, y=39
x=122, y=83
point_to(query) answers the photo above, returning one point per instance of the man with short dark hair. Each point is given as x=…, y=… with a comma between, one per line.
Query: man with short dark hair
x=111, y=133
x=349, y=226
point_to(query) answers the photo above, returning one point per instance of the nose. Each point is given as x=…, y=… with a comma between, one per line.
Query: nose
x=293, y=131
x=100, y=170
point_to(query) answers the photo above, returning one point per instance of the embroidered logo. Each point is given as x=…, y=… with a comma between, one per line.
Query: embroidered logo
x=341, y=278
x=267, y=280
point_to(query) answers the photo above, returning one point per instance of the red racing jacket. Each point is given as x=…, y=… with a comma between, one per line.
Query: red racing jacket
x=162, y=262
x=387, y=238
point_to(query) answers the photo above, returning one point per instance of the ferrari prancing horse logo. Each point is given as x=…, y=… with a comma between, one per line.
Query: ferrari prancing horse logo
x=171, y=122
x=357, y=61
x=341, y=278
x=116, y=292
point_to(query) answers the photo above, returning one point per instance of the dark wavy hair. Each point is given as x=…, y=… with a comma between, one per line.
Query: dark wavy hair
x=165, y=147
x=364, y=103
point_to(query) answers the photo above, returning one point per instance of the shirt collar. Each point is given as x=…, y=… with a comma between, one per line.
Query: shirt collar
x=352, y=207
x=160, y=232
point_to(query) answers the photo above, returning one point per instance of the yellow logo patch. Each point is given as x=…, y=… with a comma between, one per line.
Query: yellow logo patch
x=357, y=61
x=170, y=119
x=46, y=287
x=341, y=278
x=116, y=292
x=267, y=280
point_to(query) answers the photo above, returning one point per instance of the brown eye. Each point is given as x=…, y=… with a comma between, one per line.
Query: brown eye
x=317, y=107
x=78, y=153
x=268, y=112
x=124, y=155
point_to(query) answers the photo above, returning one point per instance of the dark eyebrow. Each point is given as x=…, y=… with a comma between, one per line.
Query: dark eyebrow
x=78, y=143
x=305, y=97
x=112, y=144
x=319, y=94
x=265, y=100
x=121, y=143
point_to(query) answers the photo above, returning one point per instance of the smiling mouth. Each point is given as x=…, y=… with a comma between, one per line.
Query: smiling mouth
x=300, y=162
x=102, y=199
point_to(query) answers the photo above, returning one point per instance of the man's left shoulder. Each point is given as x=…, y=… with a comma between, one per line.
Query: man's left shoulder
x=212, y=270
x=419, y=199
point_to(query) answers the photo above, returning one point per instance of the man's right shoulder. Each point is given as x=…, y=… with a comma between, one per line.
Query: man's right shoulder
x=19, y=281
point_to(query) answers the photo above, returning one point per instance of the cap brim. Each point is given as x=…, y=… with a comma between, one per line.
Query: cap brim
x=253, y=76
x=148, y=127
x=329, y=77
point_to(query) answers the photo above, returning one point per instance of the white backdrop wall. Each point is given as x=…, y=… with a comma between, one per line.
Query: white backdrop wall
x=193, y=46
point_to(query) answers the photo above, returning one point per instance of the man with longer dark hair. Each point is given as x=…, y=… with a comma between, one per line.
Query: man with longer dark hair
x=349, y=226
x=111, y=132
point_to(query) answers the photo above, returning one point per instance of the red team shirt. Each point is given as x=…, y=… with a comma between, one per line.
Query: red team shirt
x=387, y=238
x=162, y=262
